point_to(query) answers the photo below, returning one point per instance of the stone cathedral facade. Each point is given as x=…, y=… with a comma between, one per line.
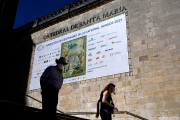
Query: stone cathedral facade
x=150, y=89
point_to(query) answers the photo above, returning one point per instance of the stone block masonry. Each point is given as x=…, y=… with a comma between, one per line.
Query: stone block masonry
x=153, y=91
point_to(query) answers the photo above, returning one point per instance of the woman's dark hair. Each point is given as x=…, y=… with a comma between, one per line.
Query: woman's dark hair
x=108, y=87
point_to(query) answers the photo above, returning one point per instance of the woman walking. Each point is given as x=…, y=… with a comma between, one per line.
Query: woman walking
x=106, y=101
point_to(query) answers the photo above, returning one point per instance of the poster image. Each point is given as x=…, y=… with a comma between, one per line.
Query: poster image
x=92, y=52
x=74, y=52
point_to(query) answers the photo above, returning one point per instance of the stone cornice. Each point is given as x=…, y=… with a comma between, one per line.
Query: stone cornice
x=69, y=11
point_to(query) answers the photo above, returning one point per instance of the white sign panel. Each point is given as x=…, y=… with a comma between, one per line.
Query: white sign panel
x=95, y=51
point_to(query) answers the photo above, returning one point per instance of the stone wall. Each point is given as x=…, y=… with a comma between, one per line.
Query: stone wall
x=153, y=91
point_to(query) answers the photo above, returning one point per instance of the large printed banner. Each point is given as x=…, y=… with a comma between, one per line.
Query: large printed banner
x=96, y=51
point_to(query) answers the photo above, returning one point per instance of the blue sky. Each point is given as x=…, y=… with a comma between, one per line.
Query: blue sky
x=29, y=10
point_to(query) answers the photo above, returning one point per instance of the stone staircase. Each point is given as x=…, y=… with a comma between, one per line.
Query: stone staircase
x=14, y=111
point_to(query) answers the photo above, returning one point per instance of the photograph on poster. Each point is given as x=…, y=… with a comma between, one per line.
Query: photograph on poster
x=74, y=52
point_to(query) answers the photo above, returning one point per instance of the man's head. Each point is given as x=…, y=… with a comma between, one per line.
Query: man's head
x=61, y=60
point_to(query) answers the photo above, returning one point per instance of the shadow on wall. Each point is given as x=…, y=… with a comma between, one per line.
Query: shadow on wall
x=16, y=58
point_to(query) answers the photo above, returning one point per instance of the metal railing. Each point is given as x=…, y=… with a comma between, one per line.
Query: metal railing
x=116, y=112
x=89, y=113
x=22, y=111
x=62, y=113
x=41, y=102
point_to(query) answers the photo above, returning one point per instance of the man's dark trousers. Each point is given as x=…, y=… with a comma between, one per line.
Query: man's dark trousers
x=49, y=101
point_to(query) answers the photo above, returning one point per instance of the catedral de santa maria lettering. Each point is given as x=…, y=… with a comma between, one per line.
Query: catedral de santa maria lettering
x=86, y=22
